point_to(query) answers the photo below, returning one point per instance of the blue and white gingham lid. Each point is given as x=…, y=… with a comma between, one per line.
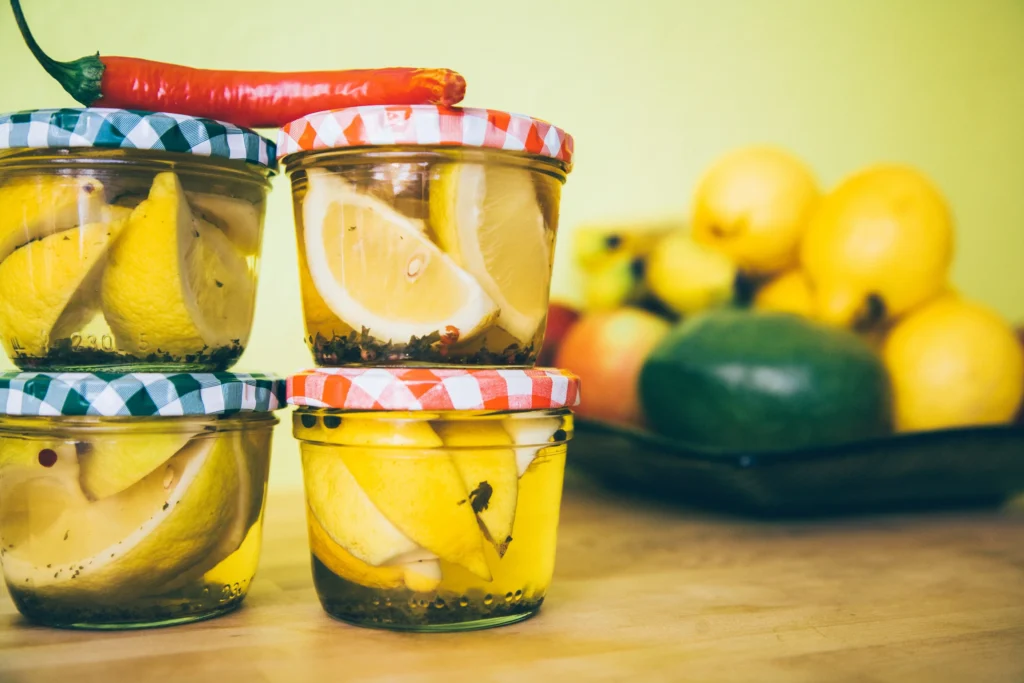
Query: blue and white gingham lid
x=144, y=394
x=127, y=129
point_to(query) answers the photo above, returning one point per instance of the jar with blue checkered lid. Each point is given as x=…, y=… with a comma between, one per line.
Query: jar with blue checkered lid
x=129, y=241
x=132, y=500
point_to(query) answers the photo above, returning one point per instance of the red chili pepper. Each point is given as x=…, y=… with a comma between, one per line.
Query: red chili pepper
x=254, y=99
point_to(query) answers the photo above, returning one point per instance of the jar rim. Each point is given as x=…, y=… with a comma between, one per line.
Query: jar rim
x=434, y=389
x=100, y=127
x=428, y=125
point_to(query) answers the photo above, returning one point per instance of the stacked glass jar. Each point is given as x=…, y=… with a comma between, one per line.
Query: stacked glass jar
x=433, y=451
x=133, y=468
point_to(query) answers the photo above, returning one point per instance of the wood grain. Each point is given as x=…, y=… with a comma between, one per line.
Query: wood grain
x=642, y=593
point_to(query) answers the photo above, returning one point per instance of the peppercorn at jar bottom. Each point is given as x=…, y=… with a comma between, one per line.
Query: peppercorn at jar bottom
x=432, y=521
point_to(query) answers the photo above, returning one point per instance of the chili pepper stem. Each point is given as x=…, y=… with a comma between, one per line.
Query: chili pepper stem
x=81, y=78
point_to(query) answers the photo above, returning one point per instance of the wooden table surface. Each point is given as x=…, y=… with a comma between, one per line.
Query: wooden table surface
x=642, y=593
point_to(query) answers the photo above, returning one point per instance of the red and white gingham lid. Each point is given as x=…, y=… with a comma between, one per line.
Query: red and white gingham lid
x=434, y=389
x=424, y=125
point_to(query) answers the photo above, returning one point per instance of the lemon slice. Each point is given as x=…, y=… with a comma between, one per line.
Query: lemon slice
x=237, y=218
x=111, y=464
x=375, y=269
x=531, y=436
x=48, y=287
x=32, y=208
x=346, y=513
x=250, y=452
x=488, y=472
x=489, y=220
x=419, y=576
x=421, y=493
x=174, y=283
x=124, y=545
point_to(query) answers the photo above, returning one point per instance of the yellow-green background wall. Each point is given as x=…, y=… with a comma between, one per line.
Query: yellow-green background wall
x=652, y=91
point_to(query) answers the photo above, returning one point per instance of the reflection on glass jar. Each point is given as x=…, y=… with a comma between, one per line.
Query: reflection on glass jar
x=432, y=521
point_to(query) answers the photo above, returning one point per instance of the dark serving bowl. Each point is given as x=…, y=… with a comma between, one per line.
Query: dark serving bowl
x=939, y=469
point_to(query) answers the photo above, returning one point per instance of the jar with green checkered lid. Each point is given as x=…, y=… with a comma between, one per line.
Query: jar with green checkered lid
x=129, y=241
x=132, y=500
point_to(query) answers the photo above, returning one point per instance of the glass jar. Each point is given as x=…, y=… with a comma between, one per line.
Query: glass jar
x=431, y=520
x=426, y=235
x=122, y=521
x=128, y=241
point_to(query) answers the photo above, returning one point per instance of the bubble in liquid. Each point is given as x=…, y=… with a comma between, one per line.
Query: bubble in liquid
x=463, y=602
x=488, y=599
x=439, y=603
x=508, y=597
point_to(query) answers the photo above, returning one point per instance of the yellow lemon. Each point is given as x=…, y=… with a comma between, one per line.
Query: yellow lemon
x=126, y=545
x=346, y=512
x=531, y=435
x=240, y=220
x=176, y=284
x=482, y=453
x=689, y=277
x=420, y=492
x=954, y=363
x=753, y=205
x=114, y=462
x=375, y=269
x=489, y=220
x=880, y=244
x=594, y=245
x=788, y=292
x=422, y=576
x=48, y=288
x=615, y=283
x=34, y=207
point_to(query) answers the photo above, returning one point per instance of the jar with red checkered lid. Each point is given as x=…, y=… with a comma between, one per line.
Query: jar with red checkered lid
x=433, y=493
x=425, y=234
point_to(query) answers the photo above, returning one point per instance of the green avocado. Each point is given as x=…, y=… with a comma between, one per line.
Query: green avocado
x=740, y=380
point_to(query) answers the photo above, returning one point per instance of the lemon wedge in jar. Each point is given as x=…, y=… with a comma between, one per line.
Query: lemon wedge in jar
x=34, y=207
x=176, y=284
x=488, y=472
x=113, y=463
x=125, y=545
x=250, y=449
x=421, y=576
x=237, y=218
x=346, y=512
x=49, y=288
x=531, y=435
x=376, y=270
x=489, y=220
x=420, y=491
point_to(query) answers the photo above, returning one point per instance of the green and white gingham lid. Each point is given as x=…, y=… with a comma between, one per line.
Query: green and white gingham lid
x=128, y=129
x=143, y=394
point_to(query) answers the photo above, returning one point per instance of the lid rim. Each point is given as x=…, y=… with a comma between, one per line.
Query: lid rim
x=106, y=128
x=391, y=389
x=424, y=125
x=107, y=394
